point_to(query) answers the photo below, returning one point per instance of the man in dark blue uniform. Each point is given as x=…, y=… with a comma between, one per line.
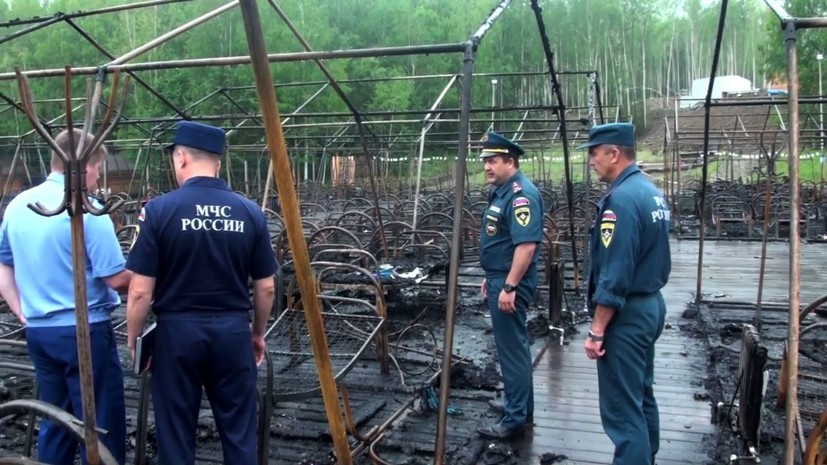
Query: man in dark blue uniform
x=196, y=249
x=512, y=229
x=630, y=263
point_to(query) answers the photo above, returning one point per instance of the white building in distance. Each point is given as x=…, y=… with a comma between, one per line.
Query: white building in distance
x=724, y=86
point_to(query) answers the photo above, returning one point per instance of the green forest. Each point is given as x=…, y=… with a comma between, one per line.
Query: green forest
x=645, y=51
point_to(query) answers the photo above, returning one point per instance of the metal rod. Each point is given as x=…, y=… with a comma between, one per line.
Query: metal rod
x=330, y=79
x=171, y=34
x=292, y=219
x=29, y=29
x=79, y=14
x=456, y=251
x=791, y=408
x=19, y=108
x=705, y=169
x=492, y=18
x=232, y=116
x=245, y=60
x=745, y=102
x=561, y=112
x=270, y=163
x=809, y=23
x=418, y=174
x=757, y=320
x=416, y=77
x=382, y=339
x=599, y=98
x=139, y=80
x=778, y=9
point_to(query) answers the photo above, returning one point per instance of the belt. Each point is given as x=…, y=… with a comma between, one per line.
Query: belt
x=184, y=314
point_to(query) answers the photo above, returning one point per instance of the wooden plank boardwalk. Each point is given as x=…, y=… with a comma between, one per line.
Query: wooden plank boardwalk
x=567, y=419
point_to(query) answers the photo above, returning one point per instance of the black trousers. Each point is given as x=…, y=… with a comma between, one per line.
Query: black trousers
x=213, y=351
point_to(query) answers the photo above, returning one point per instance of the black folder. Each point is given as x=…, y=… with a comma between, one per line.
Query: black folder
x=144, y=348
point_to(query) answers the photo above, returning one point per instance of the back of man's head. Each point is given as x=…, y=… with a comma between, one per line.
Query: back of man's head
x=80, y=144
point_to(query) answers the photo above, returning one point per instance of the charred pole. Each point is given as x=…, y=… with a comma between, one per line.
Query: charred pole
x=469, y=49
x=705, y=168
x=561, y=115
x=292, y=215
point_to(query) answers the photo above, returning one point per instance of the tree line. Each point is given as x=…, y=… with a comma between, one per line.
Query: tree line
x=645, y=51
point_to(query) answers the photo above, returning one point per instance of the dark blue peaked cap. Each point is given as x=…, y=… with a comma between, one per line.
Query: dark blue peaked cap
x=494, y=144
x=199, y=136
x=622, y=134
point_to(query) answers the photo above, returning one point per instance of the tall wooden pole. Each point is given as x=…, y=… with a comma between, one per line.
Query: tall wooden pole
x=292, y=222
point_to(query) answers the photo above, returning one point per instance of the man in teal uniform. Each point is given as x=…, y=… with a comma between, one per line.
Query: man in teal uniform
x=630, y=263
x=512, y=228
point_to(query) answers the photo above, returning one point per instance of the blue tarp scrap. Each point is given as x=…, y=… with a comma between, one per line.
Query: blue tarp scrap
x=428, y=400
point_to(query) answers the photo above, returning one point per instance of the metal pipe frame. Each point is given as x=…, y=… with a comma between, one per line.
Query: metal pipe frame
x=456, y=245
x=137, y=79
x=705, y=168
x=80, y=14
x=405, y=50
x=469, y=51
x=761, y=102
x=334, y=114
x=555, y=87
x=169, y=35
x=414, y=78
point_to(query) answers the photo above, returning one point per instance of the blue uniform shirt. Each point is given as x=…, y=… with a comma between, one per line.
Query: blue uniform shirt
x=202, y=242
x=514, y=216
x=629, y=241
x=40, y=250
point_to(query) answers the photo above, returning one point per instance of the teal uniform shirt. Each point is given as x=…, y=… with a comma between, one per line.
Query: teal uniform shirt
x=514, y=216
x=629, y=241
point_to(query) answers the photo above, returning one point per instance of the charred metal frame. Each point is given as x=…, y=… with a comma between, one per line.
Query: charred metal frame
x=790, y=26
x=280, y=165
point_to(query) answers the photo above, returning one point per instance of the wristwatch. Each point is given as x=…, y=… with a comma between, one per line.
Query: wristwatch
x=509, y=288
x=595, y=337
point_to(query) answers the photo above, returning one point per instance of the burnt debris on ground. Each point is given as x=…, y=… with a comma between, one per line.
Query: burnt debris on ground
x=720, y=326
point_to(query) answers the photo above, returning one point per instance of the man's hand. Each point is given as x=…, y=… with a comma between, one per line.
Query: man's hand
x=594, y=349
x=20, y=318
x=483, y=289
x=506, y=302
x=258, y=349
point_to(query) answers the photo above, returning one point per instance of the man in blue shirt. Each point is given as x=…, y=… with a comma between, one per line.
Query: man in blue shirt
x=512, y=228
x=630, y=263
x=196, y=250
x=36, y=279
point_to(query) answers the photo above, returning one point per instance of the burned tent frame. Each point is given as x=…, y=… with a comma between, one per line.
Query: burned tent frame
x=790, y=26
x=279, y=163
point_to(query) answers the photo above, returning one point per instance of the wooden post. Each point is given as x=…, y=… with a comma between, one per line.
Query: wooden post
x=292, y=223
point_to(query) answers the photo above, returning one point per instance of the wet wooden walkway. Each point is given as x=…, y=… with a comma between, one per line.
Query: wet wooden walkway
x=567, y=419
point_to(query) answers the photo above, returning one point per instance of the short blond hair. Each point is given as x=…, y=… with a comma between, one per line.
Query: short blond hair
x=62, y=141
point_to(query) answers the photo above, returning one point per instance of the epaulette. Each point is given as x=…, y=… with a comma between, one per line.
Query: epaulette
x=516, y=187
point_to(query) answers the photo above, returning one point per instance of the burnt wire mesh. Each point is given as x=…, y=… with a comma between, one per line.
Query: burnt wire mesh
x=349, y=331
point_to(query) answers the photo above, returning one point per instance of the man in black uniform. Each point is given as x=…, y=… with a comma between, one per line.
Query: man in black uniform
x=512, y=228
x=630, y=264
x=195, y=251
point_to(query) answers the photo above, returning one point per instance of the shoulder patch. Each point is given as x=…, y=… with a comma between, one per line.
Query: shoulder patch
x=516, y=187
x=142, y=215
x=521, y=202
x=608, y=216
x=523, y=216
x=607, y=230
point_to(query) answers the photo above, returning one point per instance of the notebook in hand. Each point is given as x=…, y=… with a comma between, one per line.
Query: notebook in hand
x=144, y=347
